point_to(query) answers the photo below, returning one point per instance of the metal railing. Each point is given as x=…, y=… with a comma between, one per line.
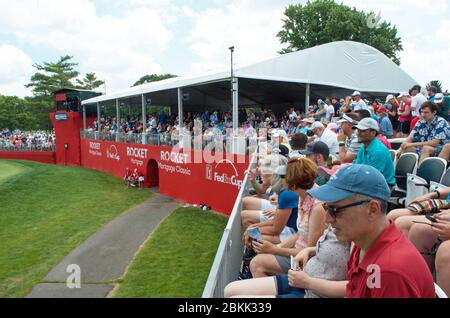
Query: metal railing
x=227, y=263
x=33, y=148
x=245, y=145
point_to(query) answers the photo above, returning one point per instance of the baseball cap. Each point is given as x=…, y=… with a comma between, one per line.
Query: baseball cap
x=438, y=98
x=389, y=97
x=318, y=147
x=321, y=102
x=347, y=119
x=368, y=123
x=402, y=94
x=317, y=124
x=361, y=179
x=332, y=126
x=356, y=93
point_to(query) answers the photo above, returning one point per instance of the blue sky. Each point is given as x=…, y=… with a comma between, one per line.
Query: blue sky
x=123, y=40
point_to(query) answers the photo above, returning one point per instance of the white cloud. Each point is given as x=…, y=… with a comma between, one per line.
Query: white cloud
x=16, y=67
x=120, y=49
x=253, y=35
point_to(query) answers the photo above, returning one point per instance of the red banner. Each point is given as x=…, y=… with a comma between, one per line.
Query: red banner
x=215, y=183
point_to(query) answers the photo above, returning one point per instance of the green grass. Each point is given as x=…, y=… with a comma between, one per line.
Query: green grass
x=46, y=211
x=176, y=260
x=9, y=169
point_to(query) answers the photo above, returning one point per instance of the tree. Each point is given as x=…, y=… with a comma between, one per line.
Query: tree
x=323, y=21
x=153, y=78
x=54, y=76
x=437, y=84
x=90, y=82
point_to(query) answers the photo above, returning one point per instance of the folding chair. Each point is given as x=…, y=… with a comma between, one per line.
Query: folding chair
x=407, y=163
x=445, y=182
x=431, y=169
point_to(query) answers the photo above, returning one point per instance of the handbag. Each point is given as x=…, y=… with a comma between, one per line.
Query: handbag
x=429, y=206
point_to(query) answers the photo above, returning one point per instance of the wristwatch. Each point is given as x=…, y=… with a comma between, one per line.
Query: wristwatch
x=438, y=194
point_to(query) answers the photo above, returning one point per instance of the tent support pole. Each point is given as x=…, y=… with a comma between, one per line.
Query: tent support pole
x=144, y=120
x=84, y=117
x=180, y=107
x=307, y=93
x=117, y=119
x=235, y=99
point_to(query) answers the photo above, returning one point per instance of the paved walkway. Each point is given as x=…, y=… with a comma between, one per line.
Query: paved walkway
x=104, y=257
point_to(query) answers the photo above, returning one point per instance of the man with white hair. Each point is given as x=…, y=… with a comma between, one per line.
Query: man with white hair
x=358, y=103
x=326, y=136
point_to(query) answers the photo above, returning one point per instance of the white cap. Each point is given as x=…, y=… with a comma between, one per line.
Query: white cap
x=402, y=94
x=332, y=126
x=347, y=119
x=389, y=97
x=368, y=123
x=356, y=93
x=438, y=98
x=317, y=124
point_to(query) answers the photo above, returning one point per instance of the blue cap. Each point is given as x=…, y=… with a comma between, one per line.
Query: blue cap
x=360, y=179
x=321, y=102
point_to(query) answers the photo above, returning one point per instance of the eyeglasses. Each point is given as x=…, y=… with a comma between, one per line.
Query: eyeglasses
x=334, y=211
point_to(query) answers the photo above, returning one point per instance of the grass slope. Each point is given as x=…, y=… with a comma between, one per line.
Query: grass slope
x=9, y=169
x=46, y=211
x=176, y=260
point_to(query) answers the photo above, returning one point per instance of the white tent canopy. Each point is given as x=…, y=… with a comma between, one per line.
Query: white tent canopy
x=339, y=65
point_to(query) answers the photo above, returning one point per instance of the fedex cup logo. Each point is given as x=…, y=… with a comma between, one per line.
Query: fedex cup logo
x=224, y=176
x=113, y=153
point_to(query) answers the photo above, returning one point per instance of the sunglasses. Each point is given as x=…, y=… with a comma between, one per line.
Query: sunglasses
x=334, y=211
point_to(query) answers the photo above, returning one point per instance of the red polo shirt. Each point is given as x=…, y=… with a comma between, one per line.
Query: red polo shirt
x=403, y=272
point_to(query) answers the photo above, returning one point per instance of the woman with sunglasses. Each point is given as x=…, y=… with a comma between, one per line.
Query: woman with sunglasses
x=305, y=220
x=323, y=274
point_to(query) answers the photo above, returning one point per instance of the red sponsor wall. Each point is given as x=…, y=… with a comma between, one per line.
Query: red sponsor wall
x=44, y=156
x=215, y=184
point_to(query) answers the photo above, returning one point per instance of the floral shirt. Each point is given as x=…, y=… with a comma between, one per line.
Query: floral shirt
x=304, y=212
x=438, y=129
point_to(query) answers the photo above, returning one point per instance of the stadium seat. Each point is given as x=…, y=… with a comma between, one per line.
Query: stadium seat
x=445, y=182
x=439, y=292
x=431, y=170
x=407, y=163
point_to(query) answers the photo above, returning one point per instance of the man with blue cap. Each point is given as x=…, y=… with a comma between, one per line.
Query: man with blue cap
x=383, y=262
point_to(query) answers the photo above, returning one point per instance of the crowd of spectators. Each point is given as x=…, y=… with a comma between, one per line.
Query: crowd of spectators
x=17, y=140
x=326, y=229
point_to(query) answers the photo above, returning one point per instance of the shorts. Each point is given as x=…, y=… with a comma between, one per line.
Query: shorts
x=141, y=179
x=265, y=205
x=406, y=127
x=286, y=233
x=284, y=262
x=395, y=124
x=284, y=290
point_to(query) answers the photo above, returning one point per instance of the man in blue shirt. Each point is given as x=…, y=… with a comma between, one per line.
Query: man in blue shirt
x=385, y=123
x=373, y=152
x=429, y=135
